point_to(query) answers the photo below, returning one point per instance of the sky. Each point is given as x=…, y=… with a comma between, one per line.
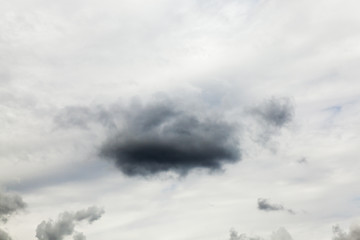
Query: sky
x=182, y=120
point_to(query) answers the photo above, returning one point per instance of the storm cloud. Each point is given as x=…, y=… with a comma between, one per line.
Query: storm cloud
x=9, y=205
x=353, y=234
x=265, y=205
x=162, y=137
x=65, y=224
x=172, y=136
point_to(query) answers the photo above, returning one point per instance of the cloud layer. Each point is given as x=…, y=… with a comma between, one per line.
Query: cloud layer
x=65, y=224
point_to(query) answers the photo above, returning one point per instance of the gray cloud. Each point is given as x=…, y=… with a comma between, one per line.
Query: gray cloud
x=265, y=205
x=9, y=205
x=280, y=234
x=80, y=116
x=79, y=236
x=65, y=224
x=272, y=115
x=166, y=136
x=4, y=235
x=353, y=234
x=235, y=236
x=162, y=137
x=275, y=112
x=302, y=160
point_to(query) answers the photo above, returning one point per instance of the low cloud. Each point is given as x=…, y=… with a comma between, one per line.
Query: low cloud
x=65, y=224
x=161, y=137
x=165, y=136
x=280, y=234
x=265, y=205
x=353, y=234
x=9, y=205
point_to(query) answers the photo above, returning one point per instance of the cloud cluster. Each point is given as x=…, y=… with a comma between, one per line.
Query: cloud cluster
x=65, y=224
x=265, y=205
x=353, y=234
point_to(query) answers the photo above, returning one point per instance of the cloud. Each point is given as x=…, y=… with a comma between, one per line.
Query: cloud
x=65, y=224
x=162, y=137
x=171, y=136
x=280, y=234
x=79, y=236
x=339, y=234
x=275, y=112
x=4, y=235
x=9, y=205
x=235, y=236
x=272, y=115
x=81, y=117
x=265, y=205
x=302, y=160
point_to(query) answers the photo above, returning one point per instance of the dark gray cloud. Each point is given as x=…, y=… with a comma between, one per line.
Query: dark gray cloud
x=4, y=235
x=265, y=205
x=65, y=224
x=169, y=136
x=9, y=205
x=353, y=234
x=162, y=137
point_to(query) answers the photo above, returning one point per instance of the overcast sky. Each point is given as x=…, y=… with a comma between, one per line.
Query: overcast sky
x=181, y=120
